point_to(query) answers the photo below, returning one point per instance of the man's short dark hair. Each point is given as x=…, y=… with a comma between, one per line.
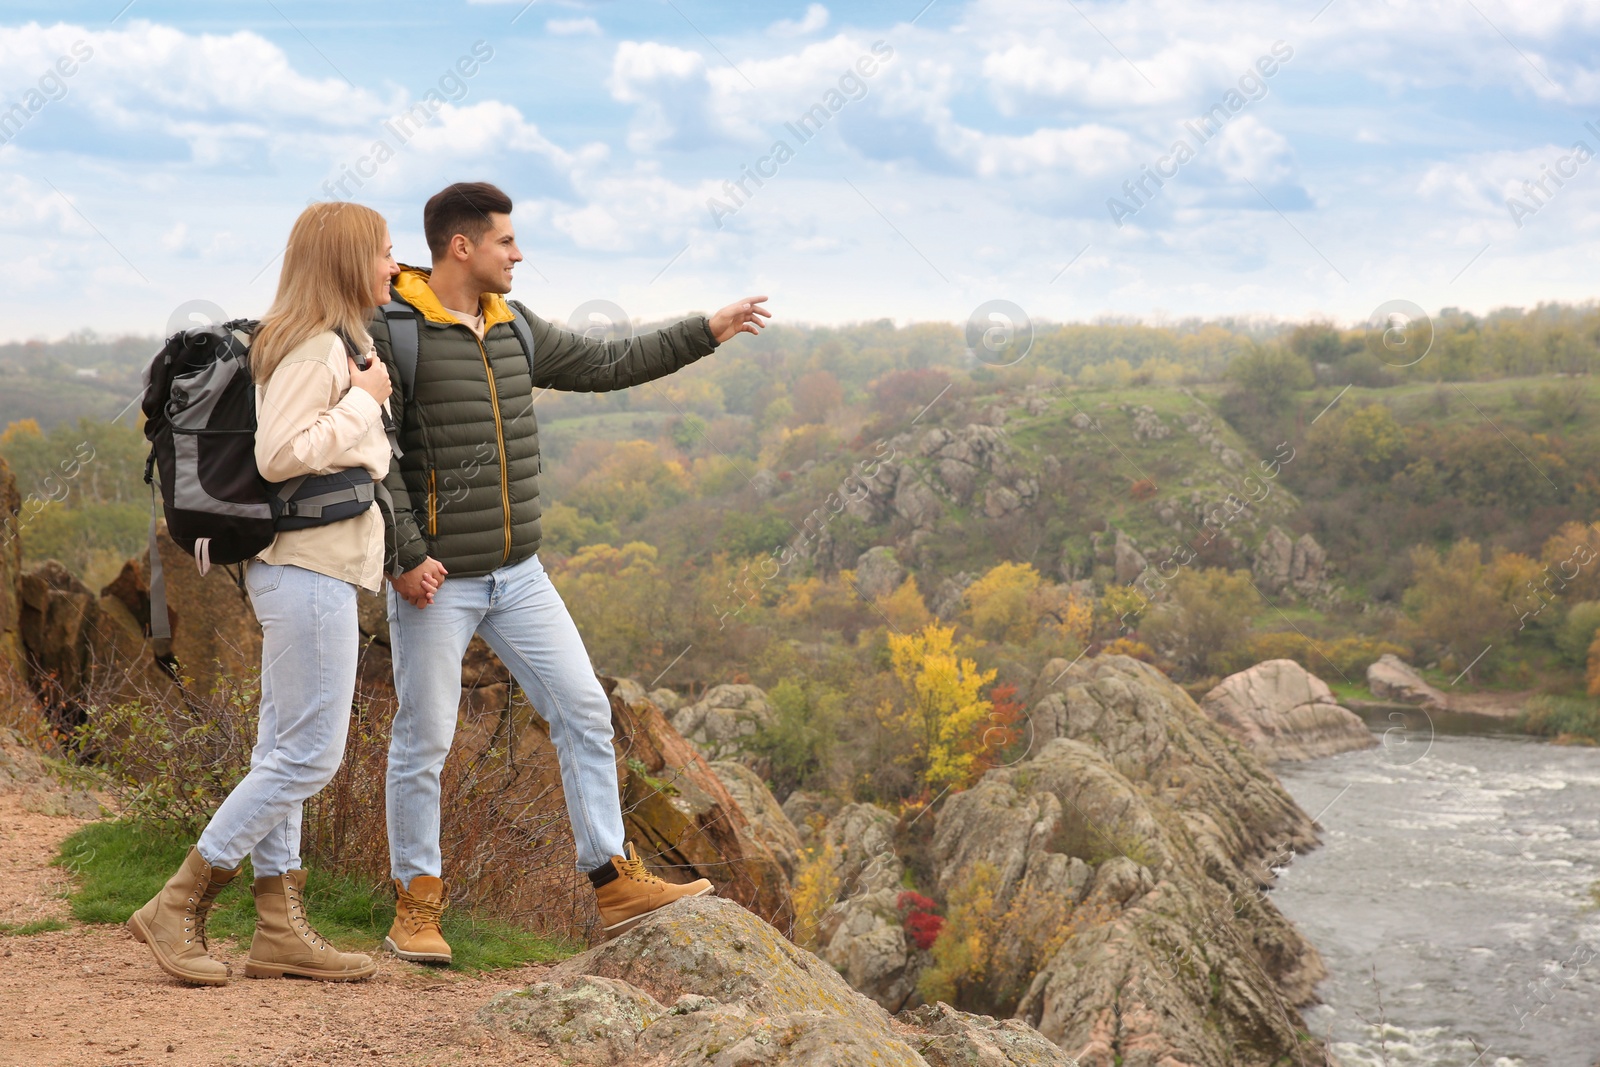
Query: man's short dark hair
x=462, y=208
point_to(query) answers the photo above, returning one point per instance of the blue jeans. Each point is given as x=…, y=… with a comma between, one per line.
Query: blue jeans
x=309, y=644
x=523, y=619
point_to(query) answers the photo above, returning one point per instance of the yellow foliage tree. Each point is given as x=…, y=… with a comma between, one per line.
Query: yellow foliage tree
x=905, y=608
x=816, y=888
x=620, y=600
x=20, y=429
x=940, y=709
x=1001, y=603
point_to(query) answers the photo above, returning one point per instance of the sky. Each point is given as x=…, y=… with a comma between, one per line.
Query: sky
x=1145, y=159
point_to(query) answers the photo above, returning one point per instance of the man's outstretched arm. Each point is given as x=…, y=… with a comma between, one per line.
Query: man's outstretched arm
x=575, y=363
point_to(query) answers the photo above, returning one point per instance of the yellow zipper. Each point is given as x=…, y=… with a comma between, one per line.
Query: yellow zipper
x=433, y=505
x=500, y=436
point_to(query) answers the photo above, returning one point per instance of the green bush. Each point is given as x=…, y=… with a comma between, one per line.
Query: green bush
x=800, y=741
x=1568, y=718
x=1577, y=632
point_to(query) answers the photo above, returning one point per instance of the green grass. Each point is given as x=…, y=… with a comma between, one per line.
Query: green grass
x=1344, y=690
x=38, y=926
x=120, y=865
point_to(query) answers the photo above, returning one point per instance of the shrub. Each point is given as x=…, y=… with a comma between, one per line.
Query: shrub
x=1577, y=632
x=1573, y=719
x=922, y=919
x=816, y=887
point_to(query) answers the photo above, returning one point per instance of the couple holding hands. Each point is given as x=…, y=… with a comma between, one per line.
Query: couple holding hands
x=455, y=367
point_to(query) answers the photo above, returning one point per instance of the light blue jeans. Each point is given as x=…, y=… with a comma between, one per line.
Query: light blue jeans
x=523, y=619
x=310, y=640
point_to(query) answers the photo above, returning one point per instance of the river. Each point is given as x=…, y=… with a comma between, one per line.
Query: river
x=1451, y=900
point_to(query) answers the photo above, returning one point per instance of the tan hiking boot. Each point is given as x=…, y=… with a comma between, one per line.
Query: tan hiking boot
x=285, y=944
x=415, y=935
x=173, y=924
x=633, y=892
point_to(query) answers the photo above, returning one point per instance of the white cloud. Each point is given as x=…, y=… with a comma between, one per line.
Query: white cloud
x=1250, y=150
x=573, y=27
x=29, y=208
x=815, y=18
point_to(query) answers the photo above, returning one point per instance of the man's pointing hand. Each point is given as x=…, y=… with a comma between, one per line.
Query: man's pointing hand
x=742, y=316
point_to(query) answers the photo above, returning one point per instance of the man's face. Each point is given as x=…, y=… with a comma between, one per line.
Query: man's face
x=491, y=260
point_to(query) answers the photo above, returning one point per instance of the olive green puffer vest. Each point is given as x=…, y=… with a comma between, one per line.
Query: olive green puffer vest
x=466, y=490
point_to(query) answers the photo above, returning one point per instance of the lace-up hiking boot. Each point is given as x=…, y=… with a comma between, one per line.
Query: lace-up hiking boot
x=173, y=924
x=626, y=892
x=415, y=935
x=285, y=943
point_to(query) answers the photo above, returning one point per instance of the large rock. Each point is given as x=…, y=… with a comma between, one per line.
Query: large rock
x=684, y=819
x=878, y=572
x=767, y=821
x=1125, y=859
x=1392, y=678
x=1129, y=563
x=1274, y=561
x=952, y=1038
x=19, y=710
x=1284, y=712
x=704, y=982
x=717, y=723
x=1292, y=567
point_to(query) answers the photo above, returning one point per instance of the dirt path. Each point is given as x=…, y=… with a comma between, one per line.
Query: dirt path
x=90, y=995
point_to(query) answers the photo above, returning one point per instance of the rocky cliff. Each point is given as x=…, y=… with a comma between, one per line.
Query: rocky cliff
x=1158, y=832
x=705, y=983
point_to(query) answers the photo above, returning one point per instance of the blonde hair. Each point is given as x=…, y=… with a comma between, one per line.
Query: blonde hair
x=326, y=282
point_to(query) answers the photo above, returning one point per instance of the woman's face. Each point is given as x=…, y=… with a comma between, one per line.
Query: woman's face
x=384, y=272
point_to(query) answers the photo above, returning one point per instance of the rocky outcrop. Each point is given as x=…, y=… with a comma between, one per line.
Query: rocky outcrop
x=717, y=723
x=878, y=572
x=1147, y=425
x=1128, y=562
x=809, y=812
x=704, y=982
x=862, y=934
x=1292, y=567
x=951, y=1038
x=1282, y=711
x=678, y=811
x=19, y=710
x=1125, y=859
x=768, y=823
x=1392, y=678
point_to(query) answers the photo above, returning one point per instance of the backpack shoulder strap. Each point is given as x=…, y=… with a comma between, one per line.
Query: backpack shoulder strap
x=519, y=323
x=404, y=343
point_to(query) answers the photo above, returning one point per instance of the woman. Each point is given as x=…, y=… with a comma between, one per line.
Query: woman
x=317, y=412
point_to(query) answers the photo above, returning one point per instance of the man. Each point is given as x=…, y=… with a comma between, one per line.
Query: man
x=466, y=503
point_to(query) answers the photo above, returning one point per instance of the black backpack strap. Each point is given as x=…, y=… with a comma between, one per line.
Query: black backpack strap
x=519, y=323
x=404, y=343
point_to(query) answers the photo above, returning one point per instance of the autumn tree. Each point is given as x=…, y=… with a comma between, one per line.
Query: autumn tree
x=816, y=396
x=940, y=707
x=1012, y=602
x=1461, y=604
x=1206, y=614
x=1270, y=374
x=622, y=602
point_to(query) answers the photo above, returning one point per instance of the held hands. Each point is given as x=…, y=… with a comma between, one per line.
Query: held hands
x=739, y=317
x=375, y=379
x=417, y=585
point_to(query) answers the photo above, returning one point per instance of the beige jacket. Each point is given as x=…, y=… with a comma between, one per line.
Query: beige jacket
x=309, y=421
